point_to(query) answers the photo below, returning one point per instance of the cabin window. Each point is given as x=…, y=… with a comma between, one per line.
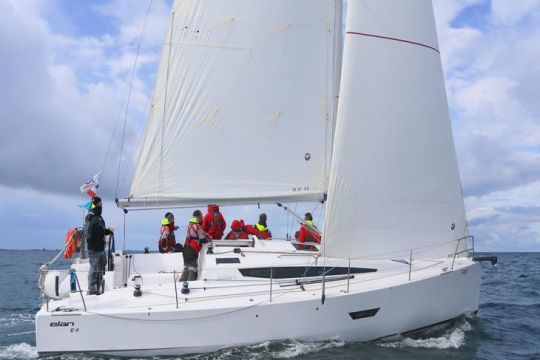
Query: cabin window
x=364, y=313
x=285, y=272
x=227, y=261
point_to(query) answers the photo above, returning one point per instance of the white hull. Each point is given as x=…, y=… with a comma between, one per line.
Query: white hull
x=112, y=325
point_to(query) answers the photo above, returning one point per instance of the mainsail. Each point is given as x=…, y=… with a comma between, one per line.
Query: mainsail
x=394, y=182
x=243, y=107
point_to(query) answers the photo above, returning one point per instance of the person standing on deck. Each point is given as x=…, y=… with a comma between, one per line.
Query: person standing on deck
x=213, y=223
x=167, y=240
x=94, y=233
x=195, y=238
x=260, y=229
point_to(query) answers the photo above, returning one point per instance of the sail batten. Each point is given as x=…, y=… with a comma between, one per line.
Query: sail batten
x=244, y=96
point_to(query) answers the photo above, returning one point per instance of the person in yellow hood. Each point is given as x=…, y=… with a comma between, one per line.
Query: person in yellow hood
x=167, y=240
x=260, y=229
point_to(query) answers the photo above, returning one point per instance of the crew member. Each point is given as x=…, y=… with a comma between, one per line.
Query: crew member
x=238, y=231
x=94, y=233
x=213, y=223
x=195, y=238
x=167, y=240
x=309, y=232
x=260, y=229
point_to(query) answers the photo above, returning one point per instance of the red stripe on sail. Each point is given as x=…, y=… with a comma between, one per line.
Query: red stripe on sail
x=394, y=39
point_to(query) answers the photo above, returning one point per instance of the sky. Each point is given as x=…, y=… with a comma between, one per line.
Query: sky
x=66, y=68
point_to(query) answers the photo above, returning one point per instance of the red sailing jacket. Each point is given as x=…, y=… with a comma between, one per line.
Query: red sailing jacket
x=214, y=223
x=306, y=235
x=233, y=235
x=264, y=233
x=195, y=235
x=167, y=234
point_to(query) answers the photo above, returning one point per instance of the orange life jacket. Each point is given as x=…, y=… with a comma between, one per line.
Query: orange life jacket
x=70, y=247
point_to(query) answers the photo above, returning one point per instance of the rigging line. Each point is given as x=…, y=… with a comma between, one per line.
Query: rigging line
x=431, y=246
x=137, y=142
x=113, y=133
x=315, y=208
x=287, y=230
x=129, y=95
x=319, y=219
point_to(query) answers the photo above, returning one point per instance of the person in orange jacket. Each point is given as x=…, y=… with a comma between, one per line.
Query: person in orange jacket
x=214, y=223
x=167, y=240
x=306, y=233
x=260, y=229
x=238, y=232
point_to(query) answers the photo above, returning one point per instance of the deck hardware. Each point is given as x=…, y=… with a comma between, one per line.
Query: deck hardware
x=410, y=265
x=80, y=291
x=138, y=282
x=175, y=289
x=185, y=288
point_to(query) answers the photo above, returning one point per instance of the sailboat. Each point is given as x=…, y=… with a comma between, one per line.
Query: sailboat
x=267, y=101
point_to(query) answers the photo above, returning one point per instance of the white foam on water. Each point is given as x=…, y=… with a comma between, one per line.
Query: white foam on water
x=20, y=333
x=16, y=319
x=18, y=351
x=297, y=348
x=453, y=338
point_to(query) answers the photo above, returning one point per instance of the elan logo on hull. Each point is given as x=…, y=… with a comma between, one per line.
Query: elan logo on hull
x=61, y=324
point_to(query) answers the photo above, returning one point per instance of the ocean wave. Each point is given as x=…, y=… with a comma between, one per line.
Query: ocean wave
x=297, y=348
x=16, y=319
x=493, y=304
x=4, y=309
x=18, y=351
x=452, y=338
x=269, y=349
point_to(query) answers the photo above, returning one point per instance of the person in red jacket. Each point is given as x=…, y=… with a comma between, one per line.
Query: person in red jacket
x=308, y=233
x=195, y=238
x=238, y=231
x=167, y=240
x=213, y=223
x=260, y=229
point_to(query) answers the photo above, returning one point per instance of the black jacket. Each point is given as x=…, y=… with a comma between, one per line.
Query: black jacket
x=95, y=231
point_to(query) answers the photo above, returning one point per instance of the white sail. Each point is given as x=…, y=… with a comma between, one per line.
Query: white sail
x=394, y=182
x=243, y=107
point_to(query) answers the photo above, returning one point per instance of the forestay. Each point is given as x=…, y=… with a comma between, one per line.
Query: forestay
x=242, y=109
x=394, y=182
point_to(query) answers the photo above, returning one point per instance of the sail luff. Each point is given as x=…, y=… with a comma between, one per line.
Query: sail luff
x=164, y=117
x=337, y=47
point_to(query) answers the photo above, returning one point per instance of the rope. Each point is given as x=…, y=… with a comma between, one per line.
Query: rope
x=129, y=96
x=137, y=142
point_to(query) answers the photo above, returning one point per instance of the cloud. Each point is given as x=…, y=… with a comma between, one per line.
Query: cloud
x=62, y=95
x=65, y=74
x=489, y=51
x=512, y=12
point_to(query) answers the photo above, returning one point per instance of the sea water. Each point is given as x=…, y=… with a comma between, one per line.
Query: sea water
x=507, y=325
